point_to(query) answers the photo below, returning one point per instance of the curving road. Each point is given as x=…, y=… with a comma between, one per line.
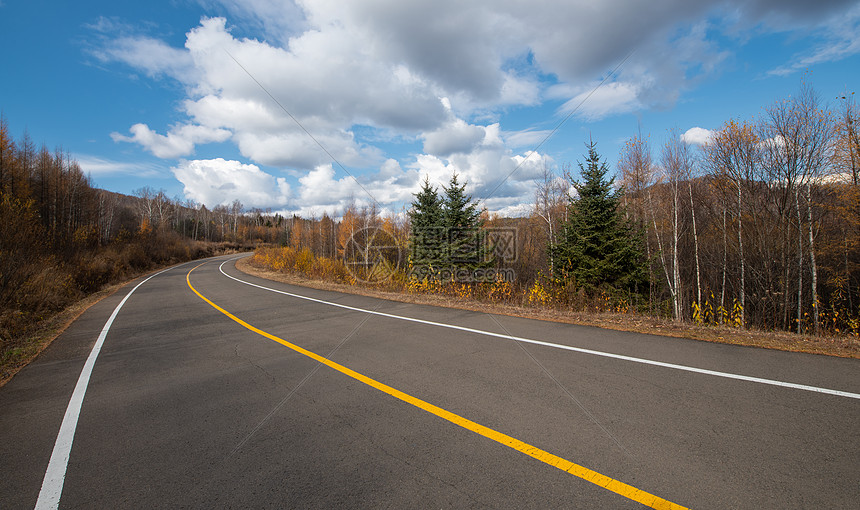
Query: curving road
x=190, y=405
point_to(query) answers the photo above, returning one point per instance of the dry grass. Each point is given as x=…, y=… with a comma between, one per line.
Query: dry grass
x=40, y=336
x=26, y=343
x=843, y=346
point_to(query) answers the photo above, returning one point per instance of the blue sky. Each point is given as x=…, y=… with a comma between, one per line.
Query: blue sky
x=149, y=94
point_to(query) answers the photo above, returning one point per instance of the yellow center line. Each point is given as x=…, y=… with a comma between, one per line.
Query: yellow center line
x=584, y=473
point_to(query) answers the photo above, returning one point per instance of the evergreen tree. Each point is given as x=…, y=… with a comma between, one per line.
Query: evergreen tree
x=428, y=243
x=462, y=221
x=597, y=247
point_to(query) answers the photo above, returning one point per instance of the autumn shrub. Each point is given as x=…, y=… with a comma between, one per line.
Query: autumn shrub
x=35, y=285
x=500, y=291
x=47, y=290
x=711, y=313
x=538, y=294
x=93, y=272
x=51, y=289
x=302, y=262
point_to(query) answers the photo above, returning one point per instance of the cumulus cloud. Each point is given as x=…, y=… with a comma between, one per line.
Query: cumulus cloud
x=387, y=63
x=455, y=137
x=697, y=136
x=331, y=193
x=495, y=176
x=217, y=181
x=342, y=69
x=178, y=142
x=600, y=101
x=322, y=76
x=277, y=20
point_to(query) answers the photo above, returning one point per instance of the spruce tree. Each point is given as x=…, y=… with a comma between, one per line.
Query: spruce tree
x=462, y=221
x=428, y=243
x=597, y=248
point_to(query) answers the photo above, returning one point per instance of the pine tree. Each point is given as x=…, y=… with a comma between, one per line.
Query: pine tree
x=462, y=221
x=597, y=247
x=428, y=241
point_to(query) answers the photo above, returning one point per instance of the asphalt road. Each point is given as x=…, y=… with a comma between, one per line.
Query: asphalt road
x=188, y=408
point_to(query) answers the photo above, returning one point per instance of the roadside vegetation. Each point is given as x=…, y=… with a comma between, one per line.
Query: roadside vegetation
x=62, y=241
x=757, y=232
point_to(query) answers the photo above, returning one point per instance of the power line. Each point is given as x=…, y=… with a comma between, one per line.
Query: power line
x=312, y=137
x=495, y=188
x=558, y=126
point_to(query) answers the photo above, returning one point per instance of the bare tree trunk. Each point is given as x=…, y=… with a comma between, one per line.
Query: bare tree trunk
x=741, y=253
x=547, y=199
x=669, y=281
x=676, y=272
x=725, y=262
x=799, y=263
x=786, y=295
x=695, y=246
x=814, y=283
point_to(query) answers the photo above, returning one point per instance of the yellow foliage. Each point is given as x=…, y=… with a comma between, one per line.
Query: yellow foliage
x=303, y=262
x=737, y=318
x=538, y=294
x=500, y=290
x=145, y=227
x=706, y=315
x=461, y=290
x=423, y=286
x=697, y=314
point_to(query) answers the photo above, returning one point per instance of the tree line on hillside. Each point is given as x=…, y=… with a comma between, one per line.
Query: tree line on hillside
x=61, y=238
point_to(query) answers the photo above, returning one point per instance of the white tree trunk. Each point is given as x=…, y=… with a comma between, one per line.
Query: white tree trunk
x=741, y=253
x=669, y=280
x=676, y=272
x=814, y=283
x=799, y=263
x=725, y=262
x=695, y=246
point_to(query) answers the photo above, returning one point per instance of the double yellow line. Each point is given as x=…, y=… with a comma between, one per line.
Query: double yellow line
x=555, y=461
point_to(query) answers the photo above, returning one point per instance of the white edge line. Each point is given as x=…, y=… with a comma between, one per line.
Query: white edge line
x=52, y=485
x=685, y=368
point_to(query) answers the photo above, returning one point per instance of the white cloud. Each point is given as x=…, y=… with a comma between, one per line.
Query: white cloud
x=99, y=166
x=391, y=184
x=323, y=76
x=455, y=137
x=527, y=138
x=516, y=210
x=839, y=39
x=297, y=149
x=178, y=142
x=277, y=20
x=600, y=101
x=697, y=136
x=519, y=91
x=218, y=181
x=495, y=176
x=388, y=63
x=343, y=69
x=154, y=57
